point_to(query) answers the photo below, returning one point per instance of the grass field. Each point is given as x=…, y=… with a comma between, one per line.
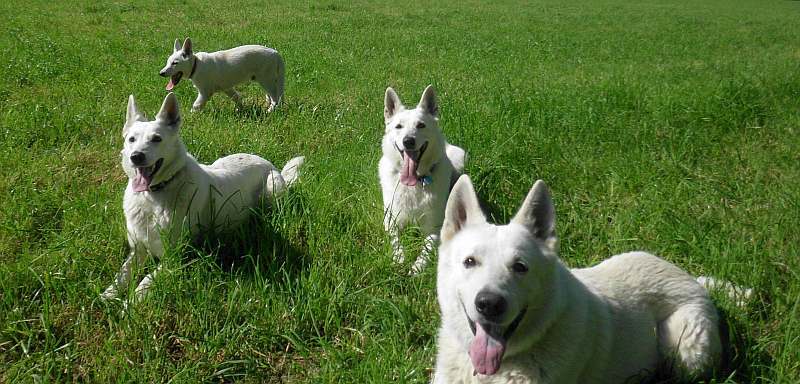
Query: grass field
x=670, y=126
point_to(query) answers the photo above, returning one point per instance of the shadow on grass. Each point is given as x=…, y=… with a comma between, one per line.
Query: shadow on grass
x=260, y=248
x=252, y=110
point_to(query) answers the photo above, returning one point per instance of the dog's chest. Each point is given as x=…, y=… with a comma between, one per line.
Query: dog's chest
x=414, y=200
x=145, y=215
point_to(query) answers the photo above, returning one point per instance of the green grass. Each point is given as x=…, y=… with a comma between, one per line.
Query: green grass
x=670, y=126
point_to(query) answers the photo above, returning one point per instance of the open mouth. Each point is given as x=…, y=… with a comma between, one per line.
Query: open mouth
x=174, y=80
x=144, y=176
x=408, y=172
x=489, y=343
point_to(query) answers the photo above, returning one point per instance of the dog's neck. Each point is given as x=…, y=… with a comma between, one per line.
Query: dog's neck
x=194, y=66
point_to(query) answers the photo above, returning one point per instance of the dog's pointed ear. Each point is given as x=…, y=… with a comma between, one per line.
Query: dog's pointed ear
x=187, y=46
x=462, y=209
x=538, y=214
x=177, y=45
x=133, y=115
x=169, y=113
x=428, y=101
x=391, y=105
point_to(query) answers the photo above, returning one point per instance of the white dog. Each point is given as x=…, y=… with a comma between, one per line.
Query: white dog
x=513, y=313
x=223, y=70
x=170, y=192
x=417, y=170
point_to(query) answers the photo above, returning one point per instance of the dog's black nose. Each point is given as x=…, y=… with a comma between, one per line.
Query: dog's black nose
x=490, y=304
x=162, y=74
x=137, y=158
x=409, y=142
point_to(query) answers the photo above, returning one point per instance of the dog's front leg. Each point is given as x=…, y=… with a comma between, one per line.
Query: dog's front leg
x=144, y=286
x=201, y=100
x=393, y=227
x=431, y=241
x=397, y=248
x=123, y=278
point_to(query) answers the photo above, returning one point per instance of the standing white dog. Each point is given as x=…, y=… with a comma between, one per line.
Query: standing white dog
x=417, y=170
x=222, y=70
x=513, y=313
x=168, y=190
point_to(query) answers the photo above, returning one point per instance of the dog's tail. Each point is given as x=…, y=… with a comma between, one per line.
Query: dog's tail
x=279, y=182
x=739, y=295
x=291, y=171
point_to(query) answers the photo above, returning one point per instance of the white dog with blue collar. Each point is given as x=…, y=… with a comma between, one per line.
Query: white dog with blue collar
x=417, y=171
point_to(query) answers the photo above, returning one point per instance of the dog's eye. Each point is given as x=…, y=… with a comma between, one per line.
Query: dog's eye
x=470, y=262
x=518, y=267
x=131, y=139
x=399, y=126
x=420, y=125
x=156, y=139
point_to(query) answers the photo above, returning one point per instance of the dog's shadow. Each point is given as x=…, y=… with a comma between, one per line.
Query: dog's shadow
x=253, y=110
x=264, y=247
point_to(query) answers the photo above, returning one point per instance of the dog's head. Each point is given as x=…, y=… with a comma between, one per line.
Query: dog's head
x=494, y=280
x=413, y=136
x=181, y=62
x=151, y=150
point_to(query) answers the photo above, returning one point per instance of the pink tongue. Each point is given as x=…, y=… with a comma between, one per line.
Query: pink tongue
x=408, y=175
x=170, y=85
x=141, y=182
x=486, y=352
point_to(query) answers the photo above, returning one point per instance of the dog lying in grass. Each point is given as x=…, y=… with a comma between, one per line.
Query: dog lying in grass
x=223, y=70
x=513, y=313
x=170, y=193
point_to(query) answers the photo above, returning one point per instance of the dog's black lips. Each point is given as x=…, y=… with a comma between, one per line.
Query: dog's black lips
x=421, y=150
x=156, y=167
x=509, y=330
x=176, y=78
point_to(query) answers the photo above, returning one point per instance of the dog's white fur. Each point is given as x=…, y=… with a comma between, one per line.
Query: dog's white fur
x=613, y=322
x=192, y=197
x=223, y=70
x=422, y=204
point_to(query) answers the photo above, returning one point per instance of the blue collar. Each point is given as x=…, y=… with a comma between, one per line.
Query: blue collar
x=427, y=180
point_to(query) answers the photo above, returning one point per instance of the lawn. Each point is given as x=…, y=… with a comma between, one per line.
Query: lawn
x=669, y=126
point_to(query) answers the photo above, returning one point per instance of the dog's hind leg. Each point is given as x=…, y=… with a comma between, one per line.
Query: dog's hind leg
x=689, y=340
x=235, y=96
x=275, y=184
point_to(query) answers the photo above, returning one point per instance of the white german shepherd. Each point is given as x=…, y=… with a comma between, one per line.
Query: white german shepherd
x=223, y=70
x=170, y=192
x=417, y=170
x=513, y=313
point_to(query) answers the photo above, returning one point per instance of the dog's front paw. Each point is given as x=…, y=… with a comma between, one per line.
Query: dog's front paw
x=109, y=294
x=419, y=265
